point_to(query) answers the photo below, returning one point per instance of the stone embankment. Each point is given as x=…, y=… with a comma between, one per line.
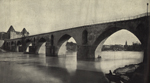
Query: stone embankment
x=133, y=73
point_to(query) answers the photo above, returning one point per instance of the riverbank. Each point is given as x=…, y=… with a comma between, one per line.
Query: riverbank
x=133, y=73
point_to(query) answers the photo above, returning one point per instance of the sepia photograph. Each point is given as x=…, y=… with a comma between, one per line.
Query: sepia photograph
x=74, y=41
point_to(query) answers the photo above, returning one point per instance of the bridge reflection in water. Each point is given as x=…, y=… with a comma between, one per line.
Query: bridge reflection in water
x=26, y=68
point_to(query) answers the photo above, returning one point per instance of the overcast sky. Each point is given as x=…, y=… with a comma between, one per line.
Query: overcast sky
x=40, y=16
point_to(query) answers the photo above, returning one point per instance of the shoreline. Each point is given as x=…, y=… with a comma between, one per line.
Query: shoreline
x=132, y=73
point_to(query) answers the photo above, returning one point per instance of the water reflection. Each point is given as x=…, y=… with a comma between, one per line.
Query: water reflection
x=25, y=68
x=71, y=64
x=30, y=68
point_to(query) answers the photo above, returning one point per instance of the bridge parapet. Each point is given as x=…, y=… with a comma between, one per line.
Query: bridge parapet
x=126, y=18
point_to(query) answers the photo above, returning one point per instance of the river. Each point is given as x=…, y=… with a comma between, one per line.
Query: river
x=30, y=68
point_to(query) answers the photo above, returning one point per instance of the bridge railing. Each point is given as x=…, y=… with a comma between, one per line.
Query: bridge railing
x=126, y=18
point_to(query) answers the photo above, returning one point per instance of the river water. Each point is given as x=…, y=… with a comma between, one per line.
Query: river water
x=30, y=68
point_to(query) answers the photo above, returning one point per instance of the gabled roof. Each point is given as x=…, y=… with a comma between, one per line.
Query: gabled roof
x=24, y=31
x=11, y=29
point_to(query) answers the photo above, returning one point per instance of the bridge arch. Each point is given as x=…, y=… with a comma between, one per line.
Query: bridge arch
x=61, y=40
x=39, y=43
x=18, y=46
x=104, y=35
x=13, y=46
x=5, y=45
x=12, y=43
x=100, y=40
x=19, y=43
x=27, y=43
x=42, y=39
x=119, y=55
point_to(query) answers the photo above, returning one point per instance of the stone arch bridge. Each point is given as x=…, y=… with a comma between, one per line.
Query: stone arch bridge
x=87, y=37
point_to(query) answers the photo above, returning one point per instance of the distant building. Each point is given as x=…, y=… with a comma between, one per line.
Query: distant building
x=11, y=34
x=117, y=47
x=126, y=47
x=106, y=47
x=112, y=47
x=70, y=46
x=135, y=47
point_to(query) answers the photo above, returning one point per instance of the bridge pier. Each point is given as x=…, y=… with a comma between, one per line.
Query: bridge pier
x=14, y=48
x=32, y=49
x=10, y=47
x=50, y=49
x=6, y=47
x=85, y=52
x=20, y=48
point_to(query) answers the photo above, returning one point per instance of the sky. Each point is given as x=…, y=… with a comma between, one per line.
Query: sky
x=125, y=36
x=41, y=16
